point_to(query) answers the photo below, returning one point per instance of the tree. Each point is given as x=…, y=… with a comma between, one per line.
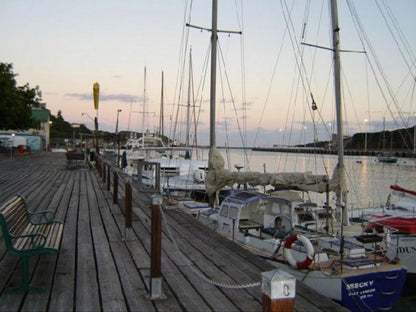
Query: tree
x=63, y=129
x=16, y=102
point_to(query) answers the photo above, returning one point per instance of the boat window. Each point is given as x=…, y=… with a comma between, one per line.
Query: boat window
x=324, y=215
x=305, y=217
x=285, y=210
x=232, y=213
x=224, y=211
x=276, y=208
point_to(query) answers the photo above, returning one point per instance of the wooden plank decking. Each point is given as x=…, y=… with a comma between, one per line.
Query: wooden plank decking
x=98, y=270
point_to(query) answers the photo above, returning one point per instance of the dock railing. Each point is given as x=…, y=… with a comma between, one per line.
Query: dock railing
x=278, y=287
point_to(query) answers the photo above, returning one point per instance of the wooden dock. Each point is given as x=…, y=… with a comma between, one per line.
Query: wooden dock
x=98, y=270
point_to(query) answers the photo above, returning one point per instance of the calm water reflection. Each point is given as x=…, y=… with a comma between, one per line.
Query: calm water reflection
x=368, y=180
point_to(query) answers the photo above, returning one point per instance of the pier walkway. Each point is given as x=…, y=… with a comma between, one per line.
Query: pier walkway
x=98, y=270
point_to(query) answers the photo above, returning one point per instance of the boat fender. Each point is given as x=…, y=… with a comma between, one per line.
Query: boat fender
x=287, y=252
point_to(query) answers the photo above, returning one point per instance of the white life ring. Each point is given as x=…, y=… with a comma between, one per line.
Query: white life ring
x=309, y=251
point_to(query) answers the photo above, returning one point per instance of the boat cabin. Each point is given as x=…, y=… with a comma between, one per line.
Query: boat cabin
x=253, y=214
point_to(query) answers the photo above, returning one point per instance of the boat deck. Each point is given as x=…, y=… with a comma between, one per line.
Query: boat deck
x=97, y=269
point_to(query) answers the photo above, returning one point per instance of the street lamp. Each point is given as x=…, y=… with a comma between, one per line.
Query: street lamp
x=118, y=112
x=85, y=114
x=92, y=119
x=74, y=125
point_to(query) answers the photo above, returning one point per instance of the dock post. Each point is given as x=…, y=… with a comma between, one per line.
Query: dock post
x=108, y=178
x=128, y=229
x=115, y=188
x=156, y=250
x=103, y=172
x=98, y=165
x=279, y=290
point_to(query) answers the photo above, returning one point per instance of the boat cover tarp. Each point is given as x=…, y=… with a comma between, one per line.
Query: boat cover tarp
x=217, y=178
x=403, y=225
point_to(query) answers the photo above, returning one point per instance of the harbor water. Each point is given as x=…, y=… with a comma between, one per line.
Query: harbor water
x=368, y=181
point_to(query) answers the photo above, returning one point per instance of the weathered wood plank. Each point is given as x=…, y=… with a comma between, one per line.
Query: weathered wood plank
x=10, y=301
x=110, y=288
x=42, y=277
x=87, y=291
x=214, y=262
x=63, y=290
x=134, y=288
x=213, y=297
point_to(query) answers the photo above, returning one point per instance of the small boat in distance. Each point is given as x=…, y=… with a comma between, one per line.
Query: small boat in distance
x=387, y=158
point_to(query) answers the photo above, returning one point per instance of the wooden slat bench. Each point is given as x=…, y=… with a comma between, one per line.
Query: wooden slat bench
x=24, y=236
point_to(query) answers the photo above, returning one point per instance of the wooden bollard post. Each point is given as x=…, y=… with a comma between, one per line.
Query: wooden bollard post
x=104, y=171
x=98, y=165
x=108, y=178
x=115, y=188
x=156, y=249
x=279, y=290
x=128, y=229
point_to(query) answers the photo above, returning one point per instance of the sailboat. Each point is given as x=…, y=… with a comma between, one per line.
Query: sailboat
x=398, y=223
x=179, y=173
x=385, y=157
x=339, y=270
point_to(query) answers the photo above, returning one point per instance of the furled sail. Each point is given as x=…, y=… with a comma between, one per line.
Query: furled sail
x=218, y=177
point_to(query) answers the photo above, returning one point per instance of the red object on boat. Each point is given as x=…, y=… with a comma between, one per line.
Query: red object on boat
x=403, y=225
x=401, y=189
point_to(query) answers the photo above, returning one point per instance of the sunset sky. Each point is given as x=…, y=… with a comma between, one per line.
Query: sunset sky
x=65, y=46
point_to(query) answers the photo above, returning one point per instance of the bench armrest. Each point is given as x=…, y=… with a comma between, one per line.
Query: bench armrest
x=45, y=216
x=37, y=240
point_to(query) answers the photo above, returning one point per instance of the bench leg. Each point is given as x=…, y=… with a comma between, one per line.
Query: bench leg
x=25, y=286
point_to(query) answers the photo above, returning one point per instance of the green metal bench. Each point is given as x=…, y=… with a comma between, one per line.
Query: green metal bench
x=24, y=236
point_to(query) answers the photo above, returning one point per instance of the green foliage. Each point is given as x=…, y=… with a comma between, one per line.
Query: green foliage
x=16, y=102
x=63, y=129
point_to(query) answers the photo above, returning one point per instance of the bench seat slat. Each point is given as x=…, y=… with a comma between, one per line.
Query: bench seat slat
x=53, y=232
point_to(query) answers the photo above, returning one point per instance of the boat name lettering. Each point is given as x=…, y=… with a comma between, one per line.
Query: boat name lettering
x=360, y=285
x=411, y=249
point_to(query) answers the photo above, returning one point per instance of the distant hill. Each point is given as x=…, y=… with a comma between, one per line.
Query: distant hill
x=396, y=140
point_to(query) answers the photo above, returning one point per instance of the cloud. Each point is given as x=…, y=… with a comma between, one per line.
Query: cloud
x=119, y=97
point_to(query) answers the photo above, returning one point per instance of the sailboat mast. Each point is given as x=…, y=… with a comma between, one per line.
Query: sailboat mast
x=144, y=105
x=161, y=123
x=341, y=192
x=188, y=107
x=214, y=39
x=384, y=134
